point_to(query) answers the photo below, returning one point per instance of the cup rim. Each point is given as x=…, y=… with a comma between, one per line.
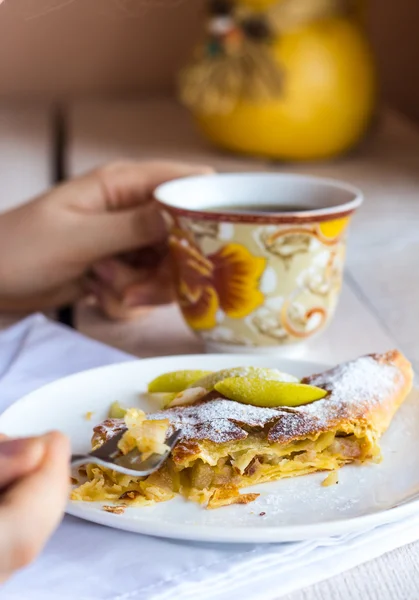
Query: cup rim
x=306, y=216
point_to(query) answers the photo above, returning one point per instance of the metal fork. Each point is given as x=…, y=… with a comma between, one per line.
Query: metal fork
x=109, y=456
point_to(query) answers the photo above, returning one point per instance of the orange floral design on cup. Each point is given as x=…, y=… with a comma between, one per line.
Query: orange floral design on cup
x=226, y=280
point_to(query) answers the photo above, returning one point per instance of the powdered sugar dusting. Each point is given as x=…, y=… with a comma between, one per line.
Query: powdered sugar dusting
x=109, y=428
x=217, y=420
x=355, y=389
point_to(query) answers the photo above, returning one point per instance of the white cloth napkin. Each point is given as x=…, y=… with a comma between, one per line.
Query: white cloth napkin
x=84, y=561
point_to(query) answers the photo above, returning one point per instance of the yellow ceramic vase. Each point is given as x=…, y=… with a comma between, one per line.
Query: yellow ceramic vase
x=326, y=101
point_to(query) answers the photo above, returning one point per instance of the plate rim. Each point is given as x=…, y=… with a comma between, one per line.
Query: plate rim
x=271, y=535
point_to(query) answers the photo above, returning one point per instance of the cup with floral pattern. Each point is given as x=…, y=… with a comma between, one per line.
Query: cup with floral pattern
x=258, y=258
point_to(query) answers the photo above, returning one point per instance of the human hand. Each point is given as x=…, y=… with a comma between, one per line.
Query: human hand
x=68, y=242
x=34, y=484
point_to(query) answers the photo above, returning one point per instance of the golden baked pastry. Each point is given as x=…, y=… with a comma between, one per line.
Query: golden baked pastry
x=226, y=445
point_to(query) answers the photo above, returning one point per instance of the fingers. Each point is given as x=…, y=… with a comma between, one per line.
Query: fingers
x=127, y=184
x=136, y=301
x=120, y=185
x=123, y=291
x=148, y=257
x=112, y=233
x=18, y=458
x=102, y=214
x=113, y=306
x=158, y=289
x=115, y=203
x=118, y=275
x=130, y=220
x=31, y=508
x=131, y=267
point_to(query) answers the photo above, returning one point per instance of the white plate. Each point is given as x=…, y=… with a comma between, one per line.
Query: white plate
x=295, y=509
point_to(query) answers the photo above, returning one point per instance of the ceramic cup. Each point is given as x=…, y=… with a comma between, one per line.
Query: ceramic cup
x=253, y=280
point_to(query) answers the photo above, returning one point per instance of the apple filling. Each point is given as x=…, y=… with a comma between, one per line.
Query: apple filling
x=216, y=476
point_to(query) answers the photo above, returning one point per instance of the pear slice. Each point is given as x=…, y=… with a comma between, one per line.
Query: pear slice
x=268, y=393
x=187, y=397
x=175, y=381
x=209, y=381
x=162, y=399
x=116, y=411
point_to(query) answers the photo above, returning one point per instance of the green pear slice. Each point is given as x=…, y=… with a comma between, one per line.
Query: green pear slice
x=268, y=393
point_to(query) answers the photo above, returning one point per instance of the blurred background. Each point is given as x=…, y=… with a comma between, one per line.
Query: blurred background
x=111, y=66
x=122, y=47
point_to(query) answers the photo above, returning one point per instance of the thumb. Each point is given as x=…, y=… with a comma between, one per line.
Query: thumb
x=18, y=458
x=111, y=233
x=116, y=204
x=32, y=507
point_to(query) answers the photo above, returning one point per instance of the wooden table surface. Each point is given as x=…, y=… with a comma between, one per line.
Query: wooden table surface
x=379, y=307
